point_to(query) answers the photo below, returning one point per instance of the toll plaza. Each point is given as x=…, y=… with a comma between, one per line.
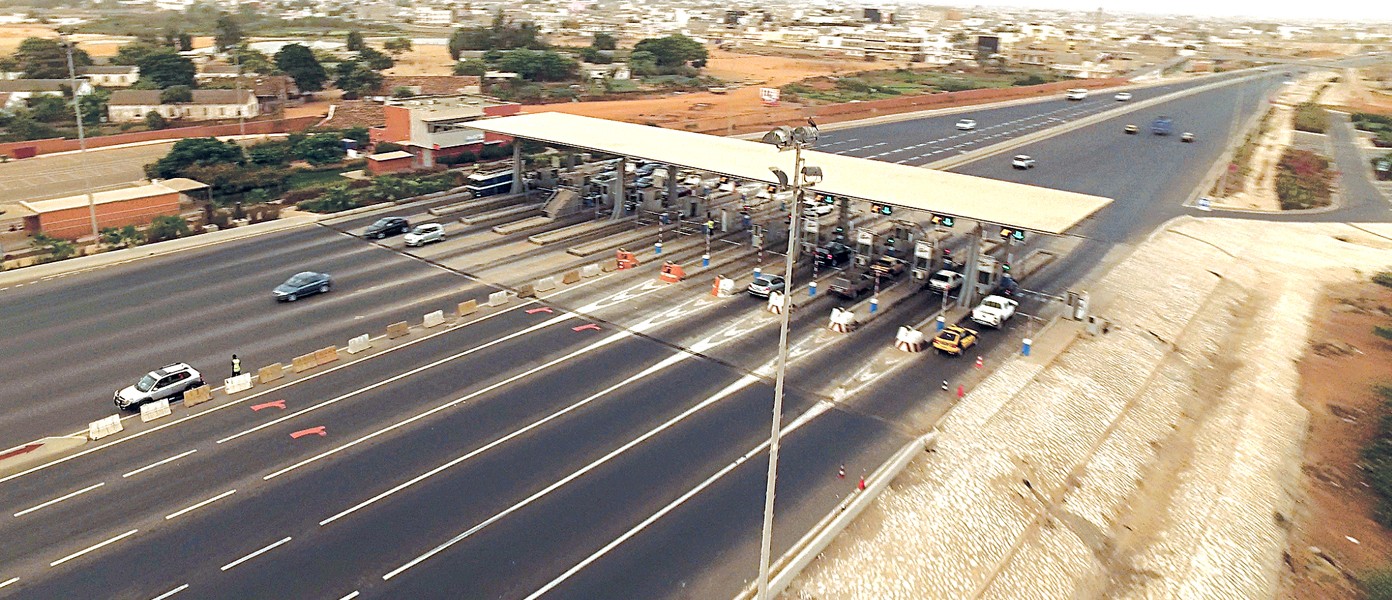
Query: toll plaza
x=908, y=197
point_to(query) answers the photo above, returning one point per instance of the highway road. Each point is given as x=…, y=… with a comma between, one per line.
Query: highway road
x=511, y=457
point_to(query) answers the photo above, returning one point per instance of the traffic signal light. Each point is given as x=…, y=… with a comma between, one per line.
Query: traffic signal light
x=881, y=209
x=828, y=199
x=889, y=242
x=944, y=220
x=772, y=188
x=1005, y=267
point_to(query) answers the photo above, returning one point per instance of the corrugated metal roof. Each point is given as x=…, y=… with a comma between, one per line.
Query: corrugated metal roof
x=1016, y=205
x=104, y=197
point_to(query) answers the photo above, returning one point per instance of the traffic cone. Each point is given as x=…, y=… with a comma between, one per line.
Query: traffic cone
x=841, y=473
x=944, y=388
x=978, y=362
x=961, y=391
x=862, y=483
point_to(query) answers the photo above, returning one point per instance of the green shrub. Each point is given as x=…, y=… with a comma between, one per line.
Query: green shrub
x=1377, y=459
x=1383, y=332
x=384, y=147
x=167, y=227
x=57, y=248
x=1311, y=117
x=1303, y=180
x=1378, y=586
x=1383, y=278
x=335, y=199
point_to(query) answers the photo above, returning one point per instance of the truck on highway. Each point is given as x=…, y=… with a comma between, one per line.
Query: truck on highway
x=1162, y=126
x=994, y=311
x=851, y=285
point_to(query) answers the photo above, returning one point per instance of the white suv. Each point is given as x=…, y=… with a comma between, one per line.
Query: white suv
x=162, y=383
x=966, y=125
x=426, y=233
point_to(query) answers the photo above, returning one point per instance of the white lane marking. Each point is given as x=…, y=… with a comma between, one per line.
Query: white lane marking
x=165, y=461
x=452, y=403
x=759, y=448
x=668, y=362
x=350, y=596
x=8, y=581
x=738, y=385
x=272, y=390
x=91, y=548
x=544, y=324
x=171, y=592
x=59, y=499
x=200, y=504
x=255, y=554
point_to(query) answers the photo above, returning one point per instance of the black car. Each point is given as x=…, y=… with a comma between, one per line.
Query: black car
x=386, y=226
x=833, y=254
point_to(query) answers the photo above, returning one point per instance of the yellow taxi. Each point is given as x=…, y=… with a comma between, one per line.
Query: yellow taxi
x=954, y=340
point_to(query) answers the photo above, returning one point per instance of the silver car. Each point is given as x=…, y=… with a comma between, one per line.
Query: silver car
x=425, y=233
x=764, y=285
x=162, y=383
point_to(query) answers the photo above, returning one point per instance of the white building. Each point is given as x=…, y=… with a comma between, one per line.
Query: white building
x=112, y=76
x=127, y=106
x=425, y=15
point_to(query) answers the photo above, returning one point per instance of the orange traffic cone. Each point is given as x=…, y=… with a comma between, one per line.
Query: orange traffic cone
x=862, y=483
x=841, y=473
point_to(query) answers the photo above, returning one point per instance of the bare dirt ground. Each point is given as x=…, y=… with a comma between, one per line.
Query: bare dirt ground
x=1335, y=539
x=1258, y=190
x=423, y=59
x=95, y=44
x=1354, y=93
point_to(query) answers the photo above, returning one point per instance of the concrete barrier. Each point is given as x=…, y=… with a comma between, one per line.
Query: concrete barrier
x=545, y=284
x=776, y=303
x=360, y=343
x=520, y=225
x=571, y=277
x=590, y=270
x=103, y=427
x=497, y=298
x=466, y=308
x=909, y=339
x=240, y=383
x=270, y=373
x=326, y=355
x=526, y=290
x=433, y=319
x=303, y=362
x=724, y=287
x=199, y=395
x=610, y=265
x=398, y=329
x=842, y=321
x=154, y=410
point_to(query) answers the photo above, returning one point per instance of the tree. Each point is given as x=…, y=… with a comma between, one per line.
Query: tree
x=57, y=249
x=227, y=33
x=398, y=46
x=320, y=149
x=165, y=68
x=184, y=41
x=355, y=41
x=133, y=53
x=539, y=66
x=126, y=236
x=356, y=79
x=155, y=121
x=167, y=227
x=176, y=94
x=273, y=152
x=94, y=106
x=41, y=58
x=299, y=63
x=375, y=60
x=402, y=91
x=593, y=56
x=501, y=35
x=604, y=41
x=23, y=127
x=49, y=109
x=195, y=151
x=674, y=50
x=253, y=61
x=472, y=66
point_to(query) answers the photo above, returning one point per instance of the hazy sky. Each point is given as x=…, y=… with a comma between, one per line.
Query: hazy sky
x=1290, y=9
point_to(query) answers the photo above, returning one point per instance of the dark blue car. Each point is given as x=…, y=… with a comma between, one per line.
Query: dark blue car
x=303, y=284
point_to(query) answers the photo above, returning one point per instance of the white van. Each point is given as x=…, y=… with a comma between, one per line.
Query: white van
x=1076, y=94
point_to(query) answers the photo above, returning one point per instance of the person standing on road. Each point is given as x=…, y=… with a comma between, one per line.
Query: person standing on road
x=236, y=366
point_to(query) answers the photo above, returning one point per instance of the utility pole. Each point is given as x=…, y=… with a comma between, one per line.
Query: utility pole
x=81, y=133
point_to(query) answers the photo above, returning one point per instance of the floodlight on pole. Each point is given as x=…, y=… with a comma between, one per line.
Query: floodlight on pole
x=784, y=138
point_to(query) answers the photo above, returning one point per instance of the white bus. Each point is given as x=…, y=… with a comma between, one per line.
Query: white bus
x=488, y=184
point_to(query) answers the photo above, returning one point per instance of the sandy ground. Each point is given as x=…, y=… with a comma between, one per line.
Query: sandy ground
x=1336, y=539
x=1258, y=190
x=95, y=45
x=1353, y=92
x=423, y=59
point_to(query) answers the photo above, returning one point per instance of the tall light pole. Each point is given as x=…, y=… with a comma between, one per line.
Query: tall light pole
x=795, y=139
x=81, y=133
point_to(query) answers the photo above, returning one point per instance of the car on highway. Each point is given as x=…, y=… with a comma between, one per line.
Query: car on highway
x=1122, y=96
x=646, y=169
x=386, y=226
x=818, y=209
x=1022, y=161
x=764, y=285
x=945, y=281
x=1076, y=94
x=160, y=384
x=1131, y=129
x=851, y=285
x=888, y=267
x=425, y=233
x=1186, y=137
x=301, y=285
x=994, y=311
x=954, y=340
x=966, y=125
x=832, y=254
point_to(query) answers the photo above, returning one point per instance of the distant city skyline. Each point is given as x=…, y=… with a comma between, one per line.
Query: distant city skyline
x=1360, y=10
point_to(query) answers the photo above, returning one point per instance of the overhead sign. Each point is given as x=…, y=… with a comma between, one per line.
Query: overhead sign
x=944, y=220
x=864, y=236
x=1009, y=233
x=923, y=250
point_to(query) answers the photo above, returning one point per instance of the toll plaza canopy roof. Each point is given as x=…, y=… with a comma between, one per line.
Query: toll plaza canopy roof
x=1015, y=205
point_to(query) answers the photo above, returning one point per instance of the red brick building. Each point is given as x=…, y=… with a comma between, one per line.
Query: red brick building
x=71, y=217
x=430, y=128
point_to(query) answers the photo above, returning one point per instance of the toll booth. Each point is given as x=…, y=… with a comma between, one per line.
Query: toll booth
x=900, y=242
x=928, y=255
x=864, y=247
x=988, y=275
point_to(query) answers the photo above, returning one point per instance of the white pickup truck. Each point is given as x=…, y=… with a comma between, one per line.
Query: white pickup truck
x=994, y=310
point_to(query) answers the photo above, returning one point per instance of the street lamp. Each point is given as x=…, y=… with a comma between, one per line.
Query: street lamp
x=784, y=138
x=81, y=134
